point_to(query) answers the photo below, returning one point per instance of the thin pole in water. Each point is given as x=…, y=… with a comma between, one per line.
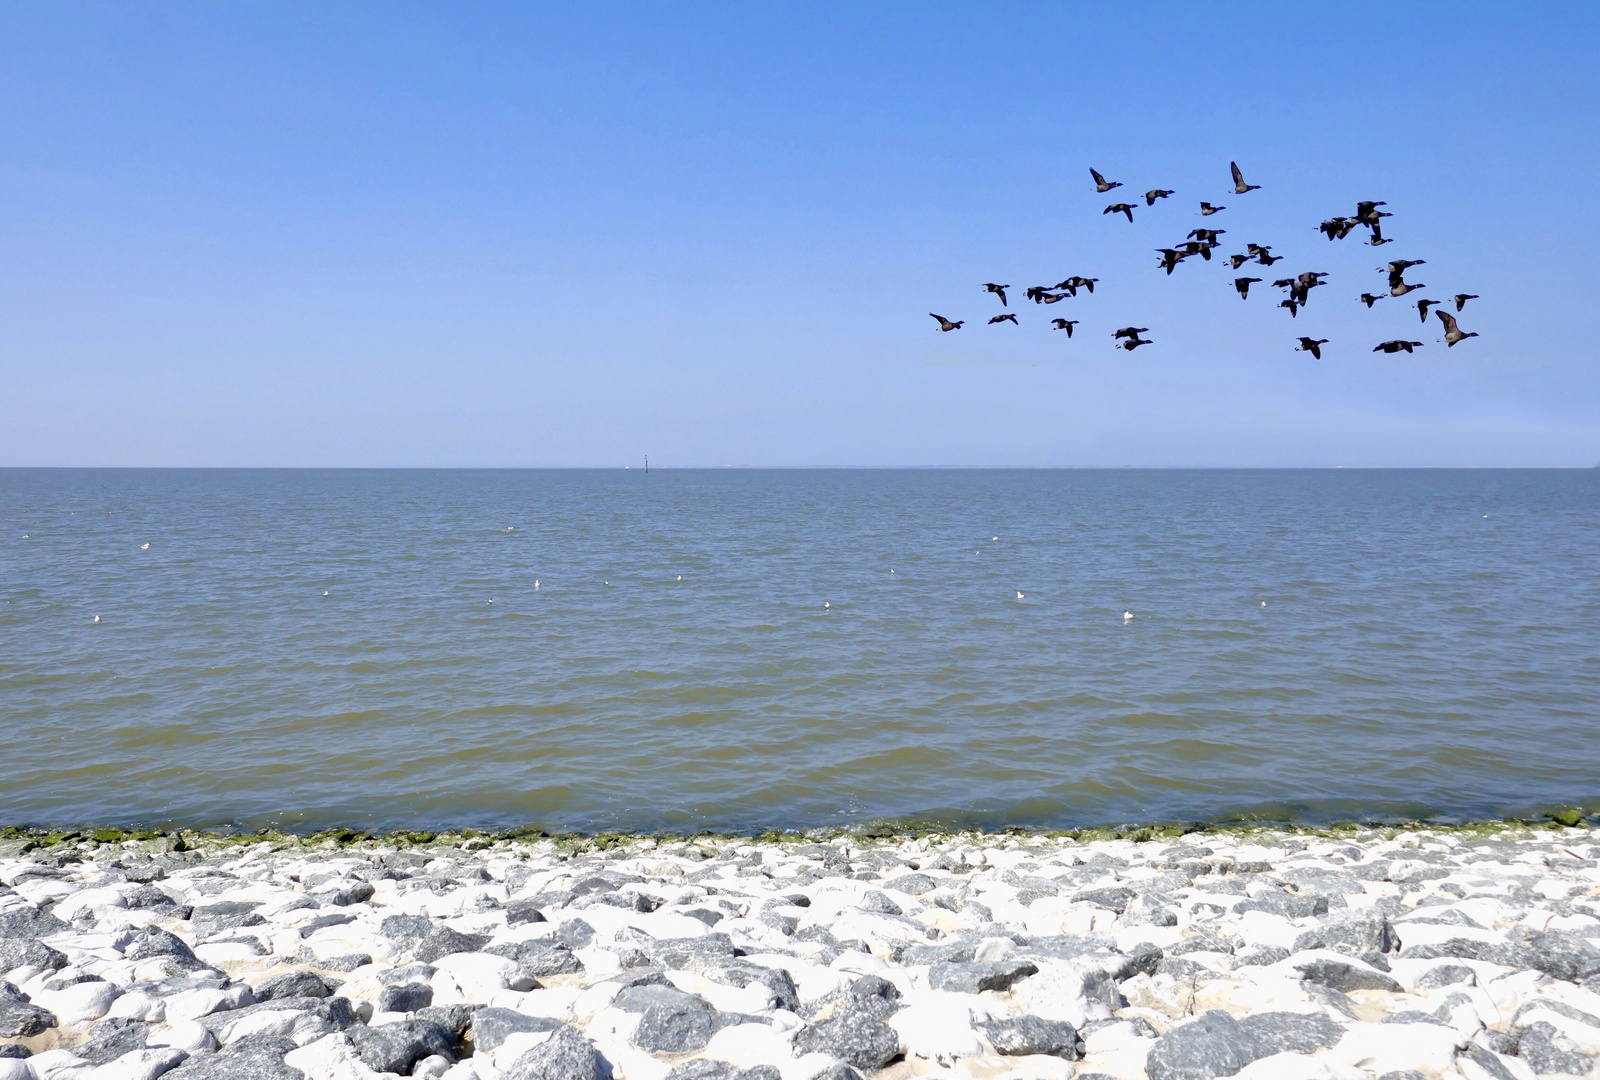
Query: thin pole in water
x=647, y=464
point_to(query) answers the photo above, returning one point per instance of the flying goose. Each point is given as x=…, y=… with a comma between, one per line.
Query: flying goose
x=1070, y=285
x=1119, y=208
x=1337, y=228
x=1400, y=266
x=1312, y=346
x=1101, y=184
x=946, y=325
x=1051, y=298
x=1208, y=236
x=1133, y=343
x=1291, y=305
x=1004, y=318
x=1265, y=258
x=1367, y=212
x=1239, y=186
x=1368, y=299
x=998, y=290
x=1243, y=285
x=1084, y=282
x=1237, y=261
x=1206, y=209
x=1034, y=292
x=1422, y=307
x=1131, y=331
x=1153, y=194
x=1452, y=332
x=1396, y=345
x=1461, y=299
x=1064, y=324
x=1169, y=258
x=1400, y=288
x=1378, y=239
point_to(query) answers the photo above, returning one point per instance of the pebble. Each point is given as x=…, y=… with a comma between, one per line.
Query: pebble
x=1440, y=954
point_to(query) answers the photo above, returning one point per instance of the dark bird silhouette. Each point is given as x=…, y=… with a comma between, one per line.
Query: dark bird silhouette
x=1312, y=346
x=1070, y=285
x=1423, y=306
x=1400, y=266
x=1239, y=186
x=1461, y=299
x=1206, y=209
x=1084, y=282
x=1452, y=332
x=1337, y=228
x=1169, y=258
x=1284, y=283
x=1131, y=331
x=1064, y=324
x=1196, y=247
x=946, y=325
x=1266, y=258
x=1291, y=305
x=998, y=290
x=1101, y=184
x=1119, y=208
x=1237, y=261
x=1034, y=292
x=1243, y=285
x=1367, y=212
x=1133, y=343
x=1153, y=194
x=1054, y=297
x=1368, y=299
x=1397, y=345
x=1400, y=288
x=1208, y=236
x=1004, y=318
x=1378, y=239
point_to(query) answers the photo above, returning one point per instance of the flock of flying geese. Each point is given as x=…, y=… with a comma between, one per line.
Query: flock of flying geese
x=1204, y=241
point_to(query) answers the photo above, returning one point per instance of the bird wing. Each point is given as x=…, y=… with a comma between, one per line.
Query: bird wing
x=1238, y=177
x=1448, y=319
x=1097, y=177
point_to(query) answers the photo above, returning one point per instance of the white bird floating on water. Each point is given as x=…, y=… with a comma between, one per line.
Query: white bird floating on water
x=146, y=545
x=680, y=577
x=994, y=538
x=1263, y=603
x=324, y=592
x=1019, y=594
x=491, y=601
x=1126, y=616
x=825, y=604
x=535, y=583
x=96, y=618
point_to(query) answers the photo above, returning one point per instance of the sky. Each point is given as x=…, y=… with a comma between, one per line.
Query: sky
x=333, y=234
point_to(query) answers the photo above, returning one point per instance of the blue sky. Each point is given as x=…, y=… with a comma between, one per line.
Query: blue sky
x=390, y=234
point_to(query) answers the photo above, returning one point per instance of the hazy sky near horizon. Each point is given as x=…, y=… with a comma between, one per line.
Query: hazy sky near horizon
x=506, y=234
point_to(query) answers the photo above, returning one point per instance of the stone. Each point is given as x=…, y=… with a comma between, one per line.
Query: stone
x=912, y=884
x=1346, y=977
x=408, y=930
x=491, y=1026
x=406, y=997
x=443, y=941
x=1211, y=1045
x=540, y=958
x=1292, y=1033
x=1446, y=975
x=1356, y=929
x=1546, y=1050
x=566, y=1055
x=28, y=923
x=522, y=912
x=322, y=922
x=677, y=1027
x=877, y=901
x=153, y=941
x=1020, y=1035
x=1557, y=953
x=575, y=934
x=229, y=915
x=19, y=1017
x=854, y=1038
x=1115, y=899
x=294, y=984
x=110, y=1039
x=257, y=1057
x=980, y=975
x=146, y=1064
x=31, y=952
x=396, y=1047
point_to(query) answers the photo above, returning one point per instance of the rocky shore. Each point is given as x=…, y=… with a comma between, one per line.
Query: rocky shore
x=1264, y=955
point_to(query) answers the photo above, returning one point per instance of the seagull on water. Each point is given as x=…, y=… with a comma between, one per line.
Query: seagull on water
x=535, y=584
x=1127, y=616
x=144, y=546
x=680, y=576
x=96, y=618
x=324, y=592
x=826, y=605
x=1019, y=594
x=1263, y=603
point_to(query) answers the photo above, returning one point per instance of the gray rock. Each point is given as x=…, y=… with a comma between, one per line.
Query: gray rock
x=28, y=923
x=1260, y=956
x=680, y=953
x=322, y=922
x=1489, y=1062
x=575, y=934
x=336, y=1011
x=1546, y=1050
x=566, y=1055
x=19, y=1017
x=294, y=984
x=1412, y=1016
x=352, y=892
x=1116, y=899
x=443, y=941
x=15, y=952
x=1292, y=1033
x=1288, y=905
x=520, y=912
x=1346, y=977
x=1143, y=959
x=256, y=1057
x=110, y=1039
x=1320, y=881
x=1034, y=1035
x=842, y=1072
x=408, y=930
x=1361, y=931
x=14, y=1050
x=878, y=901
x=641, y=996
x=1557, y=953
x=854, y=1038
x=348, y=962
x=396, y=1047
x=229, y=915
x=709, y=1069
x=945, y=952
x=980, y=975
x=679, y=1024
x=1446, y=975
x=405, y=997
x=491, y=1026
x=779, y=981
x=152, y=941
x=1211, y=1045
x=539, y=957
x=150, y=896
x=912, y=884
x=456, y=1019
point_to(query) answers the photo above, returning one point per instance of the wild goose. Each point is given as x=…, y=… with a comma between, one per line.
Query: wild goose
x=1208, y=236
x=1064, y=324
x=1169, y=258
x=1132, y=343
x=1400, y=288
x=1101, y=184
x=1119, y=208
x=1452, y=332
x=1461, y=299
x=1237, y=261
x=998, y=290
x=1054, y=297
x=1012, y=319
x=1291, y=305
x=1312, y=346
x=1422, y=307
x=946, y=325
x=1206, y=209
x=1266, y=258
x=1153, y=194
x=1083, y=282
x=1396, y=346
x=1239, y=186
x=1367, y=212
x=1337, y=228
x=1368, y=299
x=1400, y=266
x=1243, y=285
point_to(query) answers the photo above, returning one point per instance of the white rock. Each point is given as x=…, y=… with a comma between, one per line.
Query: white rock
x=144, y=1064
x=431, y=1067
x=193, y=1004
x=80, y=1003
x=331, y=1057
x=1383, y=1048
x=57, y=1063
x=136, y=1005
x=1298, y=1067
x=749, y=1045
x=188, y=1035
x=15, y=1069
x=481, y=975
x=937, y=1029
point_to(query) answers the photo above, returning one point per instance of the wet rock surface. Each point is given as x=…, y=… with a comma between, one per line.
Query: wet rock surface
x=1446, y=955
